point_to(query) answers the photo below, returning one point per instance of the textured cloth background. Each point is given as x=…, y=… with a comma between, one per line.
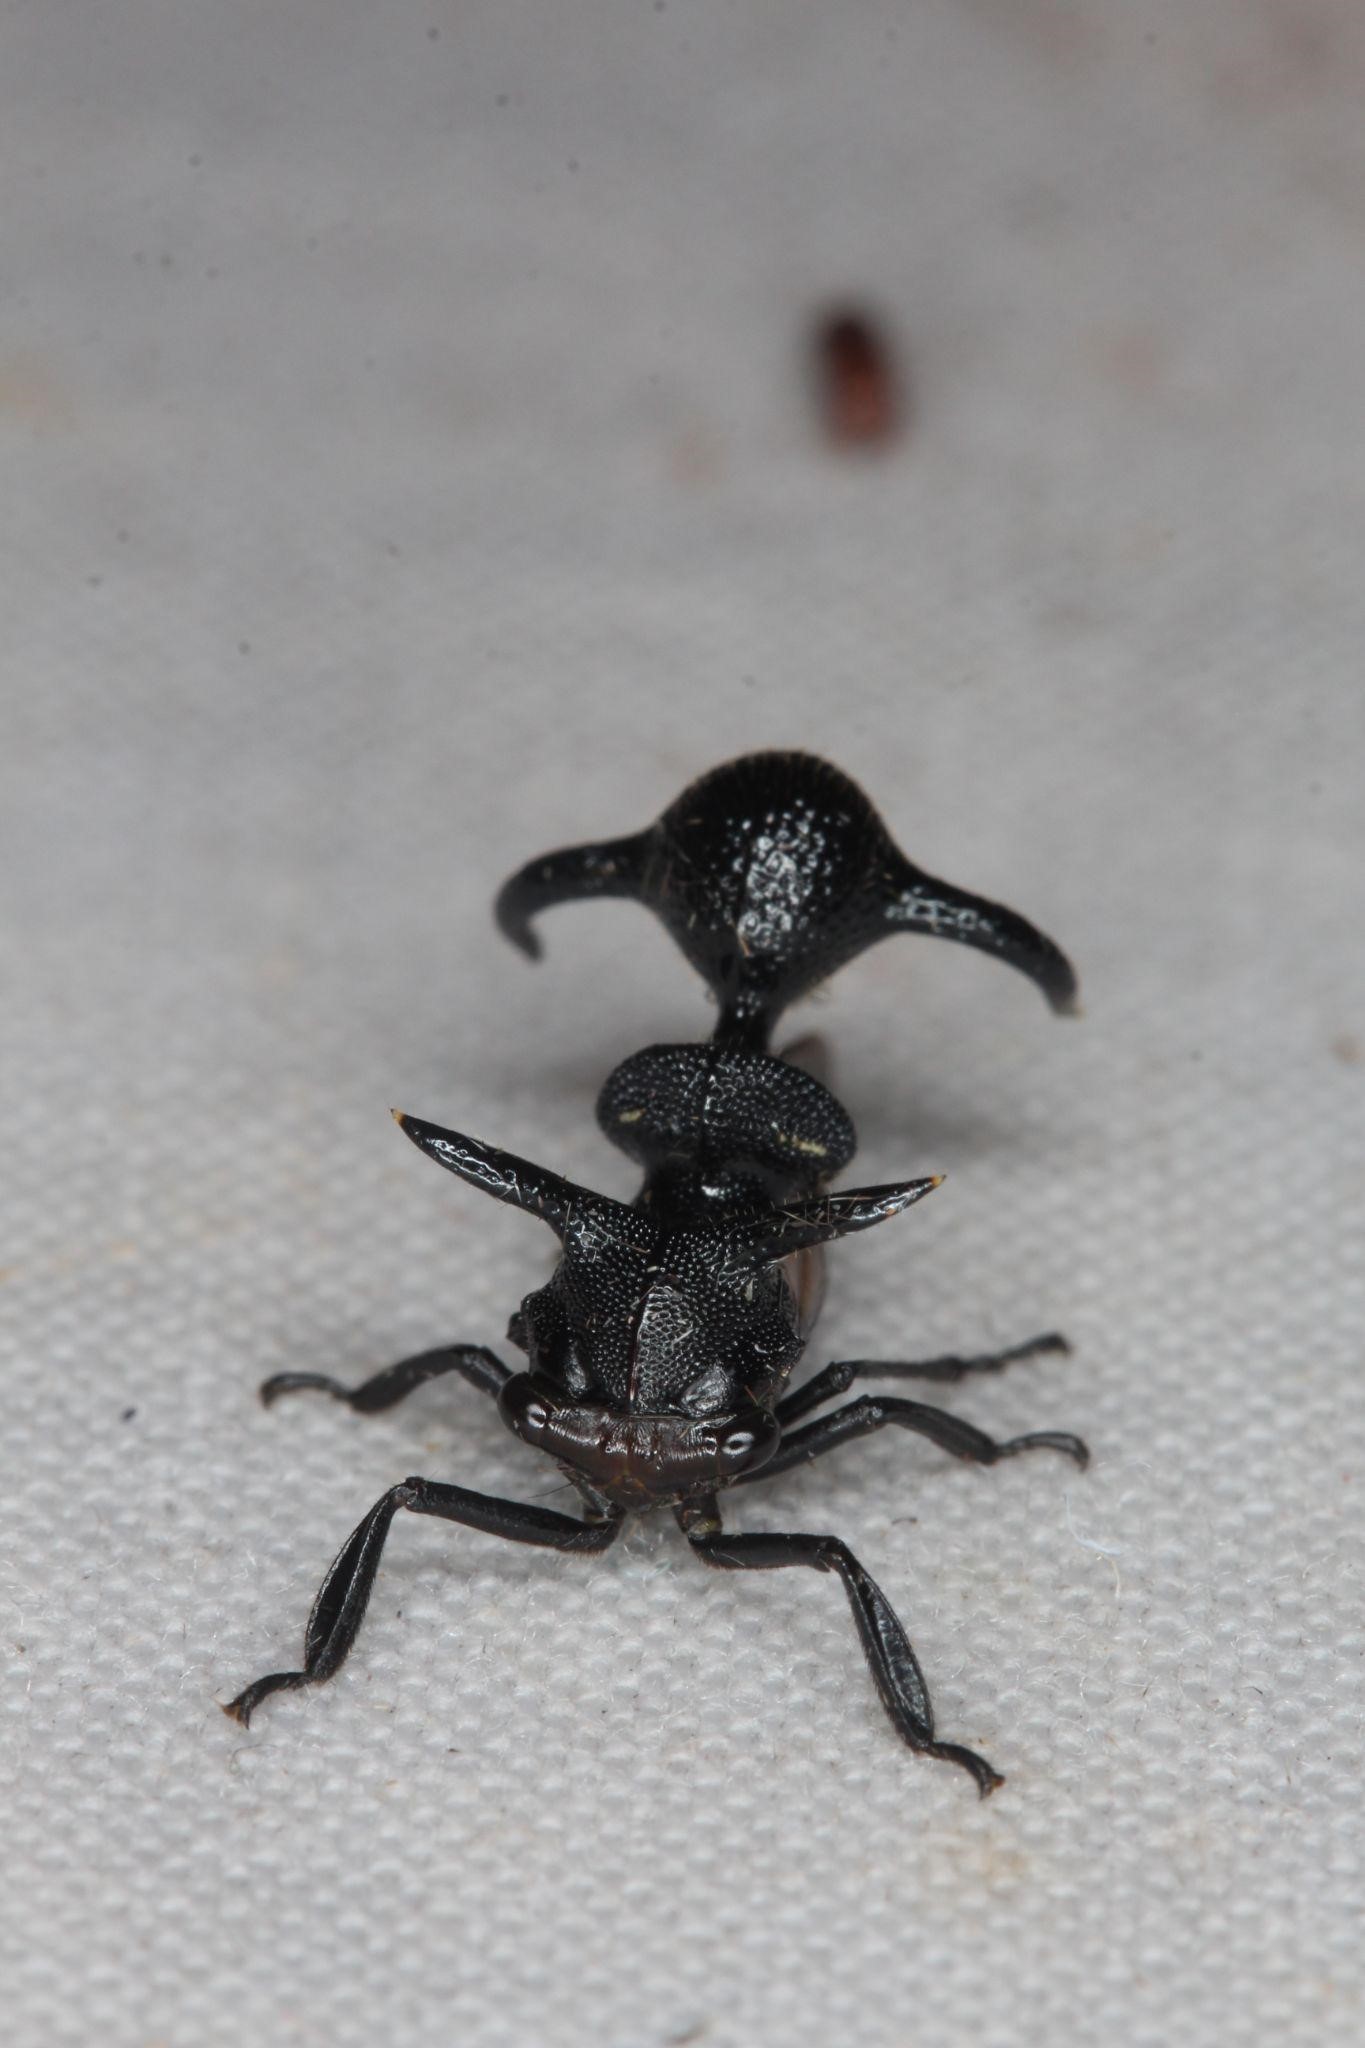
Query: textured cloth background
x=408, y=468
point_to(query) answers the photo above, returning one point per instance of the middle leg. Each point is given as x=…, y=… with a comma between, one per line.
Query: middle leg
x=474, y=1362
x=949, y=1432
x=839, y=1377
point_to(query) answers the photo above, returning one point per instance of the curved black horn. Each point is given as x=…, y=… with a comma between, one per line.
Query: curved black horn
x=802, y=1224
x=917, y=902
x=561, y=1203
x=612, y=867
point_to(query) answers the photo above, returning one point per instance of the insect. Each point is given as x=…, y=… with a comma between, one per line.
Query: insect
x=659, y=1356
x=857, y=387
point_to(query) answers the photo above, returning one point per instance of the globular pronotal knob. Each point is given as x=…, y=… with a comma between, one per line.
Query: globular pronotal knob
x=698, y=1105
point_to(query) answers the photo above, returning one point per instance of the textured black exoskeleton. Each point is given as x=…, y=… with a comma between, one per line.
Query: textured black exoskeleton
x=770, y=873
x=659, y=1354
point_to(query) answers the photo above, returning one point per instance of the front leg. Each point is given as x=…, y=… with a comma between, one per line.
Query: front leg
x=893, y=1664
x=345, y=1592
x=949, y=1432
x=474, y=1362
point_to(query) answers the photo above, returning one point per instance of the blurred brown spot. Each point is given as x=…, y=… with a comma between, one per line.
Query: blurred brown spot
x=1347, y=1048
x=32, y=392
x=696, y=458
x=1132, y=357
x=1060, y=32
x=859, y=391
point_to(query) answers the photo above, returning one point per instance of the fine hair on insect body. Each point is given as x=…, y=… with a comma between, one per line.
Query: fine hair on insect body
x=660, y=1354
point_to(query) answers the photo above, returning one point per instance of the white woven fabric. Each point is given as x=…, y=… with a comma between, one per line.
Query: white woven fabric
x=408, y=468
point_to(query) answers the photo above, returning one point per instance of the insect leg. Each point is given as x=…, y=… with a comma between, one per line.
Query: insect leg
x=475, y=1362
x=345, y=1592
x=894, y=1666
x=839, y=1377
x=875, y=1411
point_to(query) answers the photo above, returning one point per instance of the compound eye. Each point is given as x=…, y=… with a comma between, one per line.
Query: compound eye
x=737, y=1446
x=533, y=1418
x=750, y=1443
x=524, y=1411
